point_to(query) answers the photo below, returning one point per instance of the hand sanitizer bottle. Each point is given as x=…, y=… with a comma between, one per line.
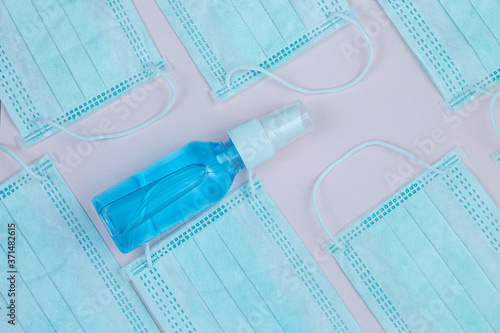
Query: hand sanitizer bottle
x=192, y=178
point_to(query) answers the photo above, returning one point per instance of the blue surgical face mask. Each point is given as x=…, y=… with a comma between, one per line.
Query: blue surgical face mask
x=61, y=60
x=234, y=42
x=427, y=259
x=238, y=267
x=66, y=279
x=457, y=41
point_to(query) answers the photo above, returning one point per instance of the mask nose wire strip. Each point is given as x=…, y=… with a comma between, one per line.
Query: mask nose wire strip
x=313, y=91
x=345, y=157
x=126, y=132
x=494, y=98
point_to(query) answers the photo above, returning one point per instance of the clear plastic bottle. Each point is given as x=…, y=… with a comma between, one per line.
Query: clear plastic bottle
x=192, y=178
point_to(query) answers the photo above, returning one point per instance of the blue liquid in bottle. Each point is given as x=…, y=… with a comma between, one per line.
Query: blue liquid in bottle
x=194, y=177
x=168, y=192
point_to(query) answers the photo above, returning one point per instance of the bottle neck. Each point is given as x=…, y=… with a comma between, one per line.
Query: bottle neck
x=231, y=155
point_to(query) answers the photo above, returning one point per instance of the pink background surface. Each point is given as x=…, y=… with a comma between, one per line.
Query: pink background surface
x=396, y=102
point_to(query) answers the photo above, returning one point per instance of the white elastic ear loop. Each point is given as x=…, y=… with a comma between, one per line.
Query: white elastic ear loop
x=345, y=157
x=22, y=164
x=126, y=132
x=250, y=183
x=313, y=91
x=492, y=105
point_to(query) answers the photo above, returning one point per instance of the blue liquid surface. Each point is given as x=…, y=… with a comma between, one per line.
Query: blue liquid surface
x=168, y=192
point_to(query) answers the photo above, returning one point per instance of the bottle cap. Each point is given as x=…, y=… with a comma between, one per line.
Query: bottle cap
x=258, y=140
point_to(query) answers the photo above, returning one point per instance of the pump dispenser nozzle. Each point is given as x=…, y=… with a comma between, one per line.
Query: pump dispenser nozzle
x=258, y=140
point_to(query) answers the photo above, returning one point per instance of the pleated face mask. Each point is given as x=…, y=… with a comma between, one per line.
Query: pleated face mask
x=61, y=60
x=427, y=259
x=457, y=42
x=249, y=38
x=238, y=267
x=57, y=273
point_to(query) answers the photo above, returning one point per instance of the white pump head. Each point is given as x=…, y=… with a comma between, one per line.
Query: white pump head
x=258, y=140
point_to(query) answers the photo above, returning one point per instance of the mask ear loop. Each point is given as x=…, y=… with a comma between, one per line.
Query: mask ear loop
x=313, y=91
x=494, y=98
x=18, y=160
x=126, y=132
x=250, y=183
x=345, y=157
x=147, y=253
x=22, y=164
